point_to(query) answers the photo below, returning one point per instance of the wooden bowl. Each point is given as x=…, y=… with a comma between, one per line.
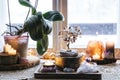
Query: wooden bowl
x=67, y=62
x=6, y=59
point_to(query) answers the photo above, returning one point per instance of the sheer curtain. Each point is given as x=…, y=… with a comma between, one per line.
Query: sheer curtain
x=118, y=28
x=3, y=20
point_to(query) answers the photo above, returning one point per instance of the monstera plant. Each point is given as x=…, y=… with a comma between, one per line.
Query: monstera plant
x=38, y=25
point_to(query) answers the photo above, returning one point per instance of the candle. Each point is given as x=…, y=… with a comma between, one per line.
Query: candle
x=95, y=49
x=12, y=51
x=109, y=53
x=9, y=50
x=48, y=66
x=49, y=63
x=96, y=56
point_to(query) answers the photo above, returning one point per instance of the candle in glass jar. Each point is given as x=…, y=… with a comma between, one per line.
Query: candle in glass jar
x=109, y=53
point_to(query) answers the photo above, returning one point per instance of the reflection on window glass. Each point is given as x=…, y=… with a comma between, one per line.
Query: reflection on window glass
x=94, y=16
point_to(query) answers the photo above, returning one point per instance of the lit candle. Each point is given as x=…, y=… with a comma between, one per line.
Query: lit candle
x=96, y=56
x=49, y=66
x=109, y=53
x=6, y=48
x=49, y=63
x=12, y=51
x=9, y=50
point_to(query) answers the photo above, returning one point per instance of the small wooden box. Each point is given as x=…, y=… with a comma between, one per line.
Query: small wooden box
x=6, y=59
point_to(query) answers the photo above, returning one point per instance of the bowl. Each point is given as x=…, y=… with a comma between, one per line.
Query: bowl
x=67, y=62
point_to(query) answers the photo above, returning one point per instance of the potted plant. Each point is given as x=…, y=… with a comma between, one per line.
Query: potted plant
x=38, y=25
x=68, y=59
x=12, y=37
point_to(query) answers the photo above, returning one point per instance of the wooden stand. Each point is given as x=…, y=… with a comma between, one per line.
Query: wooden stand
x=105, y=61
x=19, y=66
x=65, y=75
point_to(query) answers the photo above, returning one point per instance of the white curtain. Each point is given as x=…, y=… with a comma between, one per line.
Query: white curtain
x=3, y=20
x=118, y=26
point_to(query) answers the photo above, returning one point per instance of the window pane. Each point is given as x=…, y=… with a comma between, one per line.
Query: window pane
x=94, y=16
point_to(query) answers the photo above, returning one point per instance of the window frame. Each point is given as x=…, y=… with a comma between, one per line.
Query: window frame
x=61, y=6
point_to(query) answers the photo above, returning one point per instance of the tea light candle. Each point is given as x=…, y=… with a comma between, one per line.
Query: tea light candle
x=109, y=53
x=49, y=63
x=49, y=66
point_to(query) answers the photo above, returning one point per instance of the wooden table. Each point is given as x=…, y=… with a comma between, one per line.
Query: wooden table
x=109, y=72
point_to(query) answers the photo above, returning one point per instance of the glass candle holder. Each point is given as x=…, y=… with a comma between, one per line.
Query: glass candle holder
x=109, y=51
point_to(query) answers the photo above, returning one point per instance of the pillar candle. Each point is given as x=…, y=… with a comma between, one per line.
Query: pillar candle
x=109, y=52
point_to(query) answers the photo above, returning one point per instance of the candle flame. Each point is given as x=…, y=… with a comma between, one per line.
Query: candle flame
x=9, y=50
x=96, y=56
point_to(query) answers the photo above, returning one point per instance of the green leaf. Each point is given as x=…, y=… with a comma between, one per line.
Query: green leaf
x=35, y=27
x=47, y=27
x=42, y=45
x=39, y=14
x=53, y=16
x=27, y=4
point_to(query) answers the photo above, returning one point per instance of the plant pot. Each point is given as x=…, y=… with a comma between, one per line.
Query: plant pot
x=20, y=43
x=67, y=62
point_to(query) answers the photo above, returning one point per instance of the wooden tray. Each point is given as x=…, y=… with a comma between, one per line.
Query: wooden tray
x=104, y=61
x=65, y=75
x=19, y=66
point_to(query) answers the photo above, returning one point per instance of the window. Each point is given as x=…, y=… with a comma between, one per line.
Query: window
x=101, y=16
x=98, y=19
x=95, y=18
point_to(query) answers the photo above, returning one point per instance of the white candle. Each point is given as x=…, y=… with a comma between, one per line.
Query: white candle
x=49, y=63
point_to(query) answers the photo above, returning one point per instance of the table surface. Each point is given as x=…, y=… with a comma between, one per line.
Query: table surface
x=108, y=71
